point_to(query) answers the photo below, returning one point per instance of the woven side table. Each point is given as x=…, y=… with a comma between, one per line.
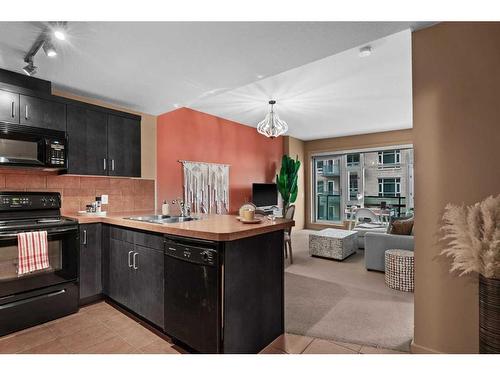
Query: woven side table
x=333, y=243
x=400, y=270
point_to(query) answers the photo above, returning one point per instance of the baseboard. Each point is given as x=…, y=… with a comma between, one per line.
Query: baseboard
x=419, y=349
x=91, y=300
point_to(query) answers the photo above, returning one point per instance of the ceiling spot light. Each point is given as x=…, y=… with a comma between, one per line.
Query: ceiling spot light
x=365, y=51
x=30, y=69
x=59, y=34
x=272, y=126
x=49, y=49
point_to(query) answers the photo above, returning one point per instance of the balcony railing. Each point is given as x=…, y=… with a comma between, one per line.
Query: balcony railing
x=389, y=166
x=330, y=171
x=398, y=203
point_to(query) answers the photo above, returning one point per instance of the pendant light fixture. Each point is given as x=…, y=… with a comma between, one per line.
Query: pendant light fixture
x=272, y=126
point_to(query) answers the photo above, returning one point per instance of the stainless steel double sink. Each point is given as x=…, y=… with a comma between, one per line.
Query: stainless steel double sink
x=161, y=219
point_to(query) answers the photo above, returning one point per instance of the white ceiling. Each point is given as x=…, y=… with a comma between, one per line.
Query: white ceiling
x=154, y=67
x=339, y=95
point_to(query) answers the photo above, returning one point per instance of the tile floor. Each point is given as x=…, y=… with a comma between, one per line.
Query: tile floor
x=102, y=329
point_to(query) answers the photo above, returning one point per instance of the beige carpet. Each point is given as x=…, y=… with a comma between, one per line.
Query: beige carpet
x=343, y=301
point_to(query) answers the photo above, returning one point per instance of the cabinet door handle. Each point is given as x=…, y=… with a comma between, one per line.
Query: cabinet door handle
x=135, y=261
x=85, y=237
x=104, y=163
x=26, y=114
x=112, y=164
x=129, y=261
x=12, y=110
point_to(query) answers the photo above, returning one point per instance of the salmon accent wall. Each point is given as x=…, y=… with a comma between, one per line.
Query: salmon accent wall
x=124, y=194
x=186, y=134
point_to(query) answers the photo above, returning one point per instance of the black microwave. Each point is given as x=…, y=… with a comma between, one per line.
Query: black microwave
x=28, y=146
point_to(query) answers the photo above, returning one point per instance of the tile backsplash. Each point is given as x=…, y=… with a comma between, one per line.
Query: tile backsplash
x=124, y=194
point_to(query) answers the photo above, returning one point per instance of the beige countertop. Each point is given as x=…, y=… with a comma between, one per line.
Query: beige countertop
x=209, y=227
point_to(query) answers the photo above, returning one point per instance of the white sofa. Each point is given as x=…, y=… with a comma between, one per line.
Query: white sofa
x=363, y=229
x=377, y=243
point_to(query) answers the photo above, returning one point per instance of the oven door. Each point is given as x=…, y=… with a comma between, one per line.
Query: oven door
x=63, y=260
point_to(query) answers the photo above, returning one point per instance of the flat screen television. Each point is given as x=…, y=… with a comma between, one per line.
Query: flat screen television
x=264, y=195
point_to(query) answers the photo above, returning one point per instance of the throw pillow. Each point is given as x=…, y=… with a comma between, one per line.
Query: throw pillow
x=401, y=227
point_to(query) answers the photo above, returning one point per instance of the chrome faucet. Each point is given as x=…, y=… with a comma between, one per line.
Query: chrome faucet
x=183, y=208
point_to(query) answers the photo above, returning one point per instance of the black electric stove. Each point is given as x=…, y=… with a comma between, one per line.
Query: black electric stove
x=40, y=296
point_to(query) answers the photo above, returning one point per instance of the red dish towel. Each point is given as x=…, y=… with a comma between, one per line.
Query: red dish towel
x=33, y=252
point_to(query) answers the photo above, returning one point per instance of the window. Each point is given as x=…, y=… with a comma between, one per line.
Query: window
x=389, y=187
x=319, y=166
x=331, y=187
x=391, y=157
x=320, y=187
x=327, y=182
x=359, y=177
x=352, y=160
x=353, y=186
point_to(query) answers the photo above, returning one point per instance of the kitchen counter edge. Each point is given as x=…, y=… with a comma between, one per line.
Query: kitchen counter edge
x=213, y=227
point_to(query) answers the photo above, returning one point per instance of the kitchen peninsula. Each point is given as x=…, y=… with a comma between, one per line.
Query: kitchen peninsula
x=215, y=285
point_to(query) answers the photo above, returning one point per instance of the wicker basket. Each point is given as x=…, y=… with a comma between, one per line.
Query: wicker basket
x=489, y=315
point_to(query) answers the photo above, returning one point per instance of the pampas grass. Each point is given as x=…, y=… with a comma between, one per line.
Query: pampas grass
x=472, y=235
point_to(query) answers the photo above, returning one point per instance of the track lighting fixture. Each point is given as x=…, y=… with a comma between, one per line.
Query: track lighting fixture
x=45, y=41
x=30, y=69
x=59, y=29
x=59, y=34
x=365, y=51
x=49, y=49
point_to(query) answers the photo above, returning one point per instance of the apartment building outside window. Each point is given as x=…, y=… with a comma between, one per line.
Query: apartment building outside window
x=390, y=158
x=389, y=187
x=352, y=160
x=320, y=187
x=353, y=186
x=361, y=178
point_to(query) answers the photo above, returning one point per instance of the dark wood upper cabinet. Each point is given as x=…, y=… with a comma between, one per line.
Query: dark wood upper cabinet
x=87, y=137
x=42, y=113
x=9, y=107
x=101, y=141
x=124, y=146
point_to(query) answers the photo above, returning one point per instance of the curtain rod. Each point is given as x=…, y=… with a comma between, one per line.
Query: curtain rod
x=202, y=162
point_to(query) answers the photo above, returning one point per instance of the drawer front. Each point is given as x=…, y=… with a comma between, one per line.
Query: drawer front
x=151, y=240
x=48, y=303
x=121, y=234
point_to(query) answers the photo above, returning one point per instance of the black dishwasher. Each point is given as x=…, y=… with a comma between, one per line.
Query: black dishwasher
x=192, y=309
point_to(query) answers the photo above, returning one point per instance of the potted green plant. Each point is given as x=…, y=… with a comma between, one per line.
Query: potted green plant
x=472, y=235
x=287, y=181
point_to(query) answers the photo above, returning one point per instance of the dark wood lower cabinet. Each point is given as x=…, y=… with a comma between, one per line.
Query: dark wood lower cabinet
x=119, y=272
x=254, y=307
x=147, y=284
x=247, y=295
x=90, y=261
x=134, y=274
